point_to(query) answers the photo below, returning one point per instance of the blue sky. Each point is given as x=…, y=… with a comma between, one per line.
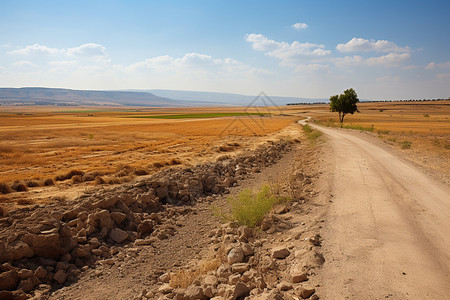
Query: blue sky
x=383, y=49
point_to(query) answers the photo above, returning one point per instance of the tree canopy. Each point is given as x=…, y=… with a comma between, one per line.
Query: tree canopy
x=344, y=103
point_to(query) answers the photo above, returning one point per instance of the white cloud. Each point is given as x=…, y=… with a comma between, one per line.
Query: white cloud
x=24, y=63
x=299, y=26
x=433, y=65
x=363, y=45
x=87, y=50
x=289, y=54
x=34, y=49
x=388, y=59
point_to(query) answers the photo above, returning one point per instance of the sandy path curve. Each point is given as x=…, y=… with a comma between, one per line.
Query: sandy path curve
x=388, y=227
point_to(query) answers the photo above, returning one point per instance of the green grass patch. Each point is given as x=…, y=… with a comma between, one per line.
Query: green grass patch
x=405, y=145
x=311, y=134
x=198, y=116
x=249, y=208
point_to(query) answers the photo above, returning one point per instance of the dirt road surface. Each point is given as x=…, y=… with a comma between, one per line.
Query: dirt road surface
x=387, y=234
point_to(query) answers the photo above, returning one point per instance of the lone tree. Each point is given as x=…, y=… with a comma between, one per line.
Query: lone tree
x=344, y=103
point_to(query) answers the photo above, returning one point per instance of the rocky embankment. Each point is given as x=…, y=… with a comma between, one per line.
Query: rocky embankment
x=44, y=247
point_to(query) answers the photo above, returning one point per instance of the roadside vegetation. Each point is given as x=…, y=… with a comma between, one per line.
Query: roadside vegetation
x=311, y=134
x=249, y=208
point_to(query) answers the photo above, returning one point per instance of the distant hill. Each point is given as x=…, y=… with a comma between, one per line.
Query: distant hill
x=227, y=98
x=50, y=96
x=155, y=98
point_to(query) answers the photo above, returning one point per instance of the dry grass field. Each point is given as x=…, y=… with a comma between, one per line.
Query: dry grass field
x=42, y=146
x=50, y=151
x=421, y=130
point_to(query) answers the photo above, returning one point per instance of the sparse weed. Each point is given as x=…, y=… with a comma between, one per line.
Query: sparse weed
x=184, y=278
x=405, y=145
x=383, y=131
x=249, y=208
x=311, y=133
x=5, y=189
x=392, y=140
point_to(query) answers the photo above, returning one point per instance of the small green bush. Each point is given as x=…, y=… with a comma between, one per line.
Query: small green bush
x=405, y=145
x=249, y=208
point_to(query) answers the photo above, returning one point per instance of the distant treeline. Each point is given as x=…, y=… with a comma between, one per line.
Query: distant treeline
x=377, y=101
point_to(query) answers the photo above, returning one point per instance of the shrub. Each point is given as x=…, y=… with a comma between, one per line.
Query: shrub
x=185, y=278
x=249, y=208
x=69, y=175
x=99, y=180
x=426, y=115
x=5, y=189
x=32, y=183
x=158, y=164
x=49, y=182
x=175, y=161
x=19, y=187
x=88, y=177
x=77, y=179
x=405, y=144
x=140, y=172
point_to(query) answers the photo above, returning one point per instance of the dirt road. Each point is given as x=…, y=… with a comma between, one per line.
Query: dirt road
x=388, y=227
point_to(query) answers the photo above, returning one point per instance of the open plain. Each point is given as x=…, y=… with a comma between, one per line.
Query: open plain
x=125, y=205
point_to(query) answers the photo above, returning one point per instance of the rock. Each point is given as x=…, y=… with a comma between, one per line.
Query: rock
x=118, y=217
x=6, y=295
x=236, y=255
x=240, y=290
x=9, y=280
x=239, y=268
x=47, y=245
x=210, y=280
x=165, y=288
x=284, y=286
x=19, y=295
x=248, y=250
x=234, y=279
x=40, y=272
x=162, y=192
x=165, y=278
x=79, y=252
x=28, y=284
x=22, y=250
x=304, y=292
x=280, y=253
x=298, y=277
x=118, y=235
x=60, y=276
x=24, y=274
x=145, y=227
x=194, y=292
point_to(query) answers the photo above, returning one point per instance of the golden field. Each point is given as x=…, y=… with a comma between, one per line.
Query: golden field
x=111, y=145
x=41, y=143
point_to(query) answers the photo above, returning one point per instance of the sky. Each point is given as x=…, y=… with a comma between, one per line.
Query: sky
x=314, y=49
